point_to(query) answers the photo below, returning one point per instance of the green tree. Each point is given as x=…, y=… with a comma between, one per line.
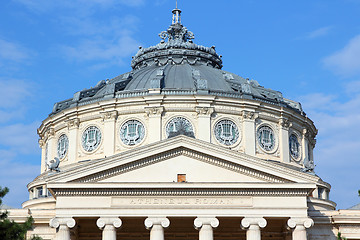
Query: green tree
x=339, y=237
x=10, y=230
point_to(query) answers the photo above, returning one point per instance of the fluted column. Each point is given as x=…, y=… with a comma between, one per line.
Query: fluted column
x=64, y=225
x=108, y=226
x=300, y=225
x=205, y=227
x=156, y=226
x=253, y=226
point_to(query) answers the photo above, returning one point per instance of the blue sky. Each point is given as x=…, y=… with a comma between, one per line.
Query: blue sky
x=309, y=50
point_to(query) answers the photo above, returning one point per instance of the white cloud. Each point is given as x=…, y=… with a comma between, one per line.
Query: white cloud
x=345, y=62
x=318, y=32
x=14, y=92
x=336, y=152
x=21, y=138
x=13, y=176
x=10, y=51
x=102, y=49
x=83, y=6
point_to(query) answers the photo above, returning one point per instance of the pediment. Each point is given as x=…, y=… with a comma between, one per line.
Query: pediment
x=199, y=160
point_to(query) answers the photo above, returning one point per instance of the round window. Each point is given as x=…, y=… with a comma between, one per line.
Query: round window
x=132, y=132
x=91, y=138
x=294, y=146
x=178, y=126
x=62, y=147
x=226, y=132
x=266, y=138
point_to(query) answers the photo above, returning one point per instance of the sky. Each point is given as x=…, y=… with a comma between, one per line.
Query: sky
x=307, y=49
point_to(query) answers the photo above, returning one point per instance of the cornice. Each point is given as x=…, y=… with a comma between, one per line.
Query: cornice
x=187, y=189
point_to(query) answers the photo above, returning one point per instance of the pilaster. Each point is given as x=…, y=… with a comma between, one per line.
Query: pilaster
x=51, y=141
x=73, y=126
x=249, y=131
x=109, y=121
x=154, y=115
x=204, y=122
x=284, y=125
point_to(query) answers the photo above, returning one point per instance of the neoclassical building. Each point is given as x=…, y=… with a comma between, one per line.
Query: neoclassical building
x=180, y=149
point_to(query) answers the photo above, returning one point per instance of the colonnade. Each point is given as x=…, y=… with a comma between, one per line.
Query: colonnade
x=205, y=225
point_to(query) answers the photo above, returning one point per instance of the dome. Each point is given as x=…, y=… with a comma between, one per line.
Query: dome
x=177, y=66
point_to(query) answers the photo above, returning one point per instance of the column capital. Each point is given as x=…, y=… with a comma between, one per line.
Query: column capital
x=73, y=123
x=109, y=115
x=249, y=115
x=154, y=111
x=151, y=221
x=302, y=222
x=200, y=221
x=102, y=221
x=257, y=221
x=56, y=222
x=204, y=111
x=285, y=123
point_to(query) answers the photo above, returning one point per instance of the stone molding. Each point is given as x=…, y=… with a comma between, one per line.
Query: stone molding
x=258, y=221
x=56, y=222
x=200, y=221
x=151, y=221
x=102, y=221
x=179, y=192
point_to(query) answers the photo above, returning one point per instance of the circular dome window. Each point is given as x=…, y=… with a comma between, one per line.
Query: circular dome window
x=226, y=132
x=132, y=132
x=266, y=138
x=62, y=147
x=91, y=138
x=179, y=126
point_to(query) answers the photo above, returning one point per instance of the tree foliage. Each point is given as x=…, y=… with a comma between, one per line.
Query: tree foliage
x=10, y=230
x=339, y=237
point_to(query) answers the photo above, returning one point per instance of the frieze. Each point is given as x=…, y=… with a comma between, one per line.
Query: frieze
x=187, y=193
x=181, y=201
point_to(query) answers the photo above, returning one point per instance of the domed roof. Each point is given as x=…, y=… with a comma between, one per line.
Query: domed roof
x=177, y=66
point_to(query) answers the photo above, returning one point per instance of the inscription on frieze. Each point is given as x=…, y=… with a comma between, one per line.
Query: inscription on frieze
x=181, y=202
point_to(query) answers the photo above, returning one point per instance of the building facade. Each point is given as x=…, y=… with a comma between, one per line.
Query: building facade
x=180, y=149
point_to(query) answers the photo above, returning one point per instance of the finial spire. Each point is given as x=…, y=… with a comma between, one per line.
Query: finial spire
x=176, y=15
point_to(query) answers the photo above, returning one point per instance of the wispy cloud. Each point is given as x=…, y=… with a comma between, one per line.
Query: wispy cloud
x=42, y=6
x=338, y=140
x=345, y=62
x=319, y=32
x=101, y=49
x=10, y=51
